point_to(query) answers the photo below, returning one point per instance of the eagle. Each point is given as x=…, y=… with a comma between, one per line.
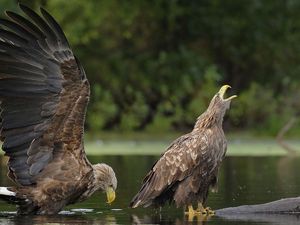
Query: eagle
x=189, y=167
x=44, y=94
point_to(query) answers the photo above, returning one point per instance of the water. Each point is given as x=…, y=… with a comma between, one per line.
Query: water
x=243, y=180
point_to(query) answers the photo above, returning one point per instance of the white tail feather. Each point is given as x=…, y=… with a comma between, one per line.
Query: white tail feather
x=136, y=204
x=5, y=191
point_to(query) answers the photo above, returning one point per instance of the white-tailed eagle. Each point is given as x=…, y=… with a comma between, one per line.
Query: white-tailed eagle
x=189, y=167
x=44, y=94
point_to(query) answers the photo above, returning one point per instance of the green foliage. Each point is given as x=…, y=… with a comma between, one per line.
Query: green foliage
x=155, y=65
x=256, y=104
x=259, y=109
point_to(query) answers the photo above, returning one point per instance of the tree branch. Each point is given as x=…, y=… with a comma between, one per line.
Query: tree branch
x=281, y=134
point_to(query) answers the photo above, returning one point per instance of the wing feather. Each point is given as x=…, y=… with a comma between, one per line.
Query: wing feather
x=44, y=93
x=45, y=28
x=17, y=29
x=176, y=164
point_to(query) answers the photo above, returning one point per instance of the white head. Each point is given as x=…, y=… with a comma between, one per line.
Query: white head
x=105, y=180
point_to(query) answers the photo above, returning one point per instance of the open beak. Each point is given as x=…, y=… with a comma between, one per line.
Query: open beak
x=110, y=194
x=223, y=90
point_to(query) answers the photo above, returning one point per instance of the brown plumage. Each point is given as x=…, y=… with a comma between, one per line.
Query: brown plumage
x=44, y=94
x=189, y=167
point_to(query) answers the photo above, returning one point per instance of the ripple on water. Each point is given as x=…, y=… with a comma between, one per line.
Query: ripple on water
x=116, y=209
x=82, y=210
x=65, y=212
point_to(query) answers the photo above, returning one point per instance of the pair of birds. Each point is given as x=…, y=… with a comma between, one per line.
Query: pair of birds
x=44, y=94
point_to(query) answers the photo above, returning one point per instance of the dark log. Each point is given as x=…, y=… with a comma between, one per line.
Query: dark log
x=282, y=206
x=284, y=211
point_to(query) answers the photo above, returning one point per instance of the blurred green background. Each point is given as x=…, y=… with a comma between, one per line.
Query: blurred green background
x=153, y=66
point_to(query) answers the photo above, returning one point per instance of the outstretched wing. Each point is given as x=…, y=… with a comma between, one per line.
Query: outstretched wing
x=177, y=163
x=44, y=93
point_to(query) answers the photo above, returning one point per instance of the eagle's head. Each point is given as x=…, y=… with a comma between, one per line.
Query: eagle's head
x=219, y=104
x=105, y=180
x=216, y=109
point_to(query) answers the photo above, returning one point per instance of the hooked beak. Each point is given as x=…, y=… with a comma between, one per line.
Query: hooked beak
x=223, y=90
x=110, y=194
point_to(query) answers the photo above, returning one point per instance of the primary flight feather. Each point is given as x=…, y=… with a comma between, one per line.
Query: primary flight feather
x=44, y=94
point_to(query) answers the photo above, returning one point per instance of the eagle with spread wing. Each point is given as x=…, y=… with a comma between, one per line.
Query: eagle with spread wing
x=44, y=94
x=189, y=167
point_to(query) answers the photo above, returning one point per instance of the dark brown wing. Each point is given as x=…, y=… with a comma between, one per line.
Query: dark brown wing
x=176, y=164
x=44, y=93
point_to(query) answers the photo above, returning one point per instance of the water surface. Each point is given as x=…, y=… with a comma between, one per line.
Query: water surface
x=243, y=180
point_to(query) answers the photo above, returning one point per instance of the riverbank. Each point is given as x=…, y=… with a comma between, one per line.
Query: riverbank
x=236, y=147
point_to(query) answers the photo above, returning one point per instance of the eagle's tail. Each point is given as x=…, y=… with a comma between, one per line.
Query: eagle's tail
x=8, y=195
x=25, y=205
x=140, y=197
x=146, y=195
x=135, y=202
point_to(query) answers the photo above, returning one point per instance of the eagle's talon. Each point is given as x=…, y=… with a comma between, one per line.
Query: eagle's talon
x=209, y=211
x=201, y=214
x=204, y=211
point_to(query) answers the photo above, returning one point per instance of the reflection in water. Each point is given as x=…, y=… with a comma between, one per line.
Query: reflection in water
x=243, y=180
x=10, y=219
x=278, y=219
x=165, y=219
x=57, y=219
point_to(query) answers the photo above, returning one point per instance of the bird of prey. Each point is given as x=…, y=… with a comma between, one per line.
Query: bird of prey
x=44, y=94
x=189, y=167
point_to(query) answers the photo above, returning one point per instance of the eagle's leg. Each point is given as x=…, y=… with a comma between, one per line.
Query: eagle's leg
x=190, y=213
x=200, y=208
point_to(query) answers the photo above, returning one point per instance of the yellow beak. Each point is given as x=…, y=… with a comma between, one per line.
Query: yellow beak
x=110, y=194
x=223, y=90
